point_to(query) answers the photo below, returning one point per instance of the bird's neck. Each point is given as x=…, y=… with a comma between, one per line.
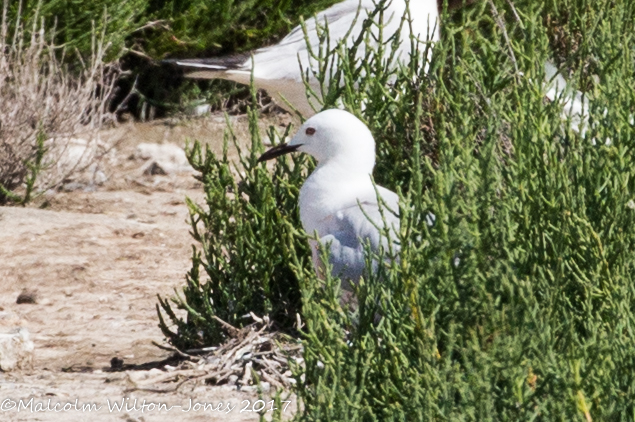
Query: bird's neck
x=328, y=189
x=343, y=169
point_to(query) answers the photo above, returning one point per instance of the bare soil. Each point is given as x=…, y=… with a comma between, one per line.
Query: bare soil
x=94, y=260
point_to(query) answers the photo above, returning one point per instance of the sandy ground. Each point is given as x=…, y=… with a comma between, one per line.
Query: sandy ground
x=96, y=259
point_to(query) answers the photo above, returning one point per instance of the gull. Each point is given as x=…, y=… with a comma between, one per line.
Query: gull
x=339, y=201
x=278, y=69
x=575, y=105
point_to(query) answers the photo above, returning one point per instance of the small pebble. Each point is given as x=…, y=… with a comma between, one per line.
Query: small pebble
x=116, y=363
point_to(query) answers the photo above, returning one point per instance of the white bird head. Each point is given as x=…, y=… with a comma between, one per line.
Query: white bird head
x=332, y=137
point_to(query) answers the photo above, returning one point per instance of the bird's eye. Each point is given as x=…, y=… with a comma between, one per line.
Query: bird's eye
x=310, y=131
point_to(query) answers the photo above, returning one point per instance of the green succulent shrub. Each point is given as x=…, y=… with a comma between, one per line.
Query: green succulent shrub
x=160, y=27
x=518, y=302
x=75, y=21
x=247, y=236
x=224, y=26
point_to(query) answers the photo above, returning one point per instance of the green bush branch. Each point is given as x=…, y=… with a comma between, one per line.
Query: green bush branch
x=33, y=168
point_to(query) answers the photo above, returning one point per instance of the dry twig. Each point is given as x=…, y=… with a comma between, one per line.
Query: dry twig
x=43, y=98
x=250, y=354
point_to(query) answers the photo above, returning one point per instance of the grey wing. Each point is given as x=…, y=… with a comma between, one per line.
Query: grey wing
x=349, y=230
x=368, y=218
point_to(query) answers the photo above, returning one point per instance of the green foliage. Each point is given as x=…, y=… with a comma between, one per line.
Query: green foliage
x=246, y=235
x=167, y=27
x=518, y=302
x=76, y=20
x=201, y=26
x=31, y=170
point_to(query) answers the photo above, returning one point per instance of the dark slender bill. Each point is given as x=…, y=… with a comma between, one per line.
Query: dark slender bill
x=277, y=151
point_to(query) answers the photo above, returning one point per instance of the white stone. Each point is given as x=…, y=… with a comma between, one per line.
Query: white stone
x=166, y=158
x=75, y=153
x=16, y=349
x=200, y=110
